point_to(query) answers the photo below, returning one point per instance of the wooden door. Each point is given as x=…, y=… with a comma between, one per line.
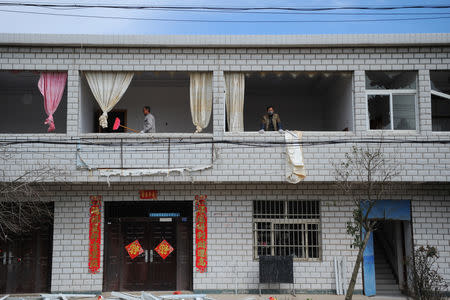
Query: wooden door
x=134, y=271
x=26, y=262
x=163, y=272
x=126, y=222
x=184, y=255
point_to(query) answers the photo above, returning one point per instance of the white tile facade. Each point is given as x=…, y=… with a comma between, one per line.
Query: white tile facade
x=239, y=174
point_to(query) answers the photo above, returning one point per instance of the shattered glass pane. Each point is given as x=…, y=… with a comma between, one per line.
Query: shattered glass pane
x=379, y=80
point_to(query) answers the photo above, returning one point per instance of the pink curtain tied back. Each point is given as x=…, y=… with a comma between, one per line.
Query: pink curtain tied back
x=51, y=85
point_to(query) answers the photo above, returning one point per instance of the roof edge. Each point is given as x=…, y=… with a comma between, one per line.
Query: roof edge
x=326, y=40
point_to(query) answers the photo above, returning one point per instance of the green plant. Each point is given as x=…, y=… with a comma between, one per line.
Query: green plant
x=426, y=283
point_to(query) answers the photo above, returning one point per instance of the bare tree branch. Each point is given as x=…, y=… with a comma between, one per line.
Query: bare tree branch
x=365, y=176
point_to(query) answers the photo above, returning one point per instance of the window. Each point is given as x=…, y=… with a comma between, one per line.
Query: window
x=167, y=94
x=308, y=101
x=23, y=104
x=391, y=100
x=440, y=100
x=283, y=228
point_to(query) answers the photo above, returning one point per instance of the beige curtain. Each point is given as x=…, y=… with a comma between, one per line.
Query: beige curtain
x=108, y=88
x=295, y=167
x=234, y=101
x=201, y=99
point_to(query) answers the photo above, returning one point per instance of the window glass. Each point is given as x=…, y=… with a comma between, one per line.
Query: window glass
x=440, y=108
x=404, y=112
x=379, y=112
x=380, y=80
x=440, y=100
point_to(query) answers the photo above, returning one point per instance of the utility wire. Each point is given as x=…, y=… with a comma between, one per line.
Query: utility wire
x=223, y=21
x=174, y=141
x=236, y=8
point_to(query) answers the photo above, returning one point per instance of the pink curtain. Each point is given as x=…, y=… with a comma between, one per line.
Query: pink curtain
x=51, y=85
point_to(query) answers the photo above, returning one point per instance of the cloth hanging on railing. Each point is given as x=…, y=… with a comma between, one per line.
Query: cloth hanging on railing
x=201, y=99
x=234, y=101
x=51, y=85
x=295, y=167
x=108, y=88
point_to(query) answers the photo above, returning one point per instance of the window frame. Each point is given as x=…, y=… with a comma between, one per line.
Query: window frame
x=391, y=93
x=283, y=219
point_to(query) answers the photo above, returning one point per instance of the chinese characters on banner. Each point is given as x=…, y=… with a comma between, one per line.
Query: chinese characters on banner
x=95, y=220
x=134, y=249
x=201, y=233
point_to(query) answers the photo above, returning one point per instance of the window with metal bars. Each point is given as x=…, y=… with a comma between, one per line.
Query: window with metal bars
x=287, y=227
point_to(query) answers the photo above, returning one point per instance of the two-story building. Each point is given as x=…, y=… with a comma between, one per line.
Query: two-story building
x=207, y=94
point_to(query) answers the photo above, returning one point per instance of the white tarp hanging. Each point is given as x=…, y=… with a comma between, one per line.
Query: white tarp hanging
x=295, y=168
x=108, y=88
x=234, y=101
x=201, y=99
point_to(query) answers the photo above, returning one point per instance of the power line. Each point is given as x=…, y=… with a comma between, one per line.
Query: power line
x=223, y=21
x=175, y=141
x=237, y=8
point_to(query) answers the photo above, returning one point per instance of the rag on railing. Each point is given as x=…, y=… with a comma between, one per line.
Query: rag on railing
x=295, y=168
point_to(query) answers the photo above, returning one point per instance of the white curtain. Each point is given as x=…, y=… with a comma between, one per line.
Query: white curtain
x=201, y=99
x=108, y=88
x=234, y=101
x=295, y=167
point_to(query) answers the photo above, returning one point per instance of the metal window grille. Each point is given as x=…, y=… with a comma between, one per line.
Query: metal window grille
x=289, y=227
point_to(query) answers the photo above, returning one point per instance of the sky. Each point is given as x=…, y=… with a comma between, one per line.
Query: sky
x=20, y=19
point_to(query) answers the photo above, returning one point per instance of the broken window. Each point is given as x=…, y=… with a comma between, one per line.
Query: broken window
x=308, y=101
x=391, y=100
x=166, y=93
x=23, y=104
x=440, y=100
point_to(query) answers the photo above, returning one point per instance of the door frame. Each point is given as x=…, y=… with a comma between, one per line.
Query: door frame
x=399, y=210
x=141, y=209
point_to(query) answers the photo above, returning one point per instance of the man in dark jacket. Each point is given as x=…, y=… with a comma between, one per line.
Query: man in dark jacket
x=270, y=121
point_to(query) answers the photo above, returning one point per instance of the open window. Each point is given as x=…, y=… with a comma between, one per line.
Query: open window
x=23, y=104
x=391, y=100
x=440, y=100
x=166, y=93
x=308, y=101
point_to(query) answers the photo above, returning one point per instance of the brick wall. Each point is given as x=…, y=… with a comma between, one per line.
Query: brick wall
x=421, y=162
x=230, y=258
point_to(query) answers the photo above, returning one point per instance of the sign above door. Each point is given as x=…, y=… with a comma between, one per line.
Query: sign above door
x=148, y=194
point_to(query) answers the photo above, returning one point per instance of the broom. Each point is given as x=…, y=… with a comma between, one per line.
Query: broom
x=117, y=125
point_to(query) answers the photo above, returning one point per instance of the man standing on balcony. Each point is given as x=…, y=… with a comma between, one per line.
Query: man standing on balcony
x=271, y=121
x=149, y=121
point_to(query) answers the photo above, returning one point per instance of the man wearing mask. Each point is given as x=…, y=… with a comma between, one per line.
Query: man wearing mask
x=271, y=121
x=149, y=121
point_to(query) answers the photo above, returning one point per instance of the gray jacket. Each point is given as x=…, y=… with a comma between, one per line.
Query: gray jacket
x=149, y=124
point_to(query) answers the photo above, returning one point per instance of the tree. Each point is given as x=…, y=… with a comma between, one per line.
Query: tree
x=21, y=204
x=365, y=175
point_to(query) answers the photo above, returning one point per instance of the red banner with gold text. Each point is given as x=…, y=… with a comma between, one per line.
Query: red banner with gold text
x=201, y=233
x=95, y=221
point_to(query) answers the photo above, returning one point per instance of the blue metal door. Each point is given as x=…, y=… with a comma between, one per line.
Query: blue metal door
x=383, y=210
